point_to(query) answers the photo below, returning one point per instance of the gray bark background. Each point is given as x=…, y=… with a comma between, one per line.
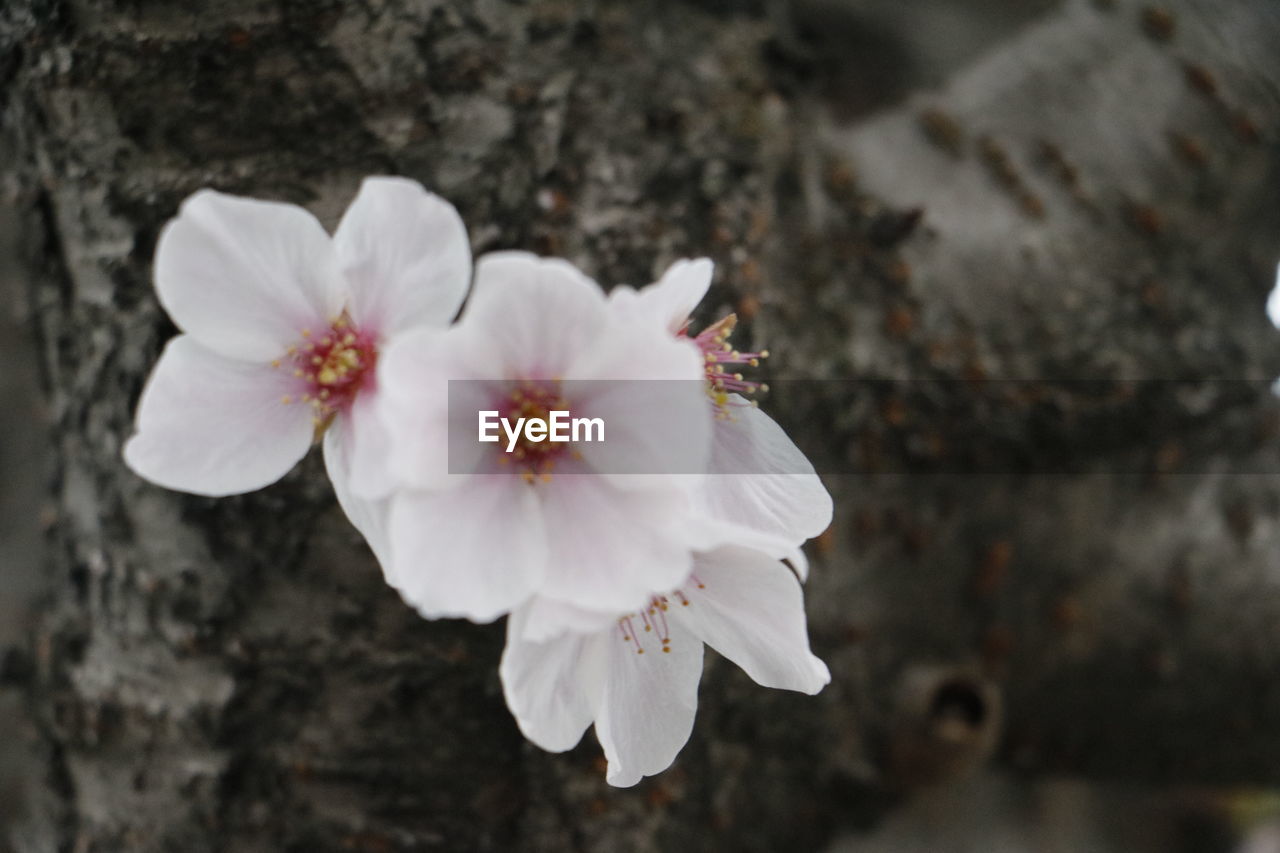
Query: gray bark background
x=1097, y=186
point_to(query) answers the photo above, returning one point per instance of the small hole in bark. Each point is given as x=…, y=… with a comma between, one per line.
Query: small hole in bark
x=948, y=723
x=958, y=701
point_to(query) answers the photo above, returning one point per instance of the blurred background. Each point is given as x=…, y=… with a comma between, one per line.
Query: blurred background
x=23, y=481
x=884, y=105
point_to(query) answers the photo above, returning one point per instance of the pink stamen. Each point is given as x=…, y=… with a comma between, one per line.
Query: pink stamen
x=657, y=609
x=654, y=619
x=720, y=357
x=629, y=634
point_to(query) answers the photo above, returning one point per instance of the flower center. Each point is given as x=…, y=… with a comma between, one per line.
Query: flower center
x=652, y=621
x=720, y=358
x=533, y=401
x=330, y=367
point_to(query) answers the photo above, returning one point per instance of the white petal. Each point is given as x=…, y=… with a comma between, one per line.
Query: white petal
x=647, y=702
x=245, y=277
x=679, y=291
x=609, y=548
x=427, y=436
x=543, y=686
x=214, y=426
x=750, y=609
x=708, y=534
x=673, y=297
x=370, y=517
x=649, y=390
x=1273, y=302
x=546, y=618
x=761, y=480
x=475, y=551
x=535, y=315
x=367, y=447
x=405, y=254
x=624, y=300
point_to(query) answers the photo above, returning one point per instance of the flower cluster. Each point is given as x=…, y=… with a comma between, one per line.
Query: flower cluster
x=614, y=565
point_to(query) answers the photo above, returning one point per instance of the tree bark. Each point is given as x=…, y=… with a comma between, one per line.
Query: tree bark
x=1099, y=201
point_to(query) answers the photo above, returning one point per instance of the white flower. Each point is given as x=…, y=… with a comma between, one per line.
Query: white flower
x=758, y=479
x=282, y=327
x=563, y=520
x=1273, y=314
x=637, y=677
x=1273, y=302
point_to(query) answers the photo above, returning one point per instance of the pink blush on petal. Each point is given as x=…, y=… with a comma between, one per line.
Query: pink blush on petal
x=331, y=368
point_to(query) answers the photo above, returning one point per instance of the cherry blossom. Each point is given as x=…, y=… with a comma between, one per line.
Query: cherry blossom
x=758, y=479
x=636, y=676
x=282, y=328
x=1273, y=302
x=476, y=531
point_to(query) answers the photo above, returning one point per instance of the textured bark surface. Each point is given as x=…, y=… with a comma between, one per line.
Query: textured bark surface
x=1098, y=199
